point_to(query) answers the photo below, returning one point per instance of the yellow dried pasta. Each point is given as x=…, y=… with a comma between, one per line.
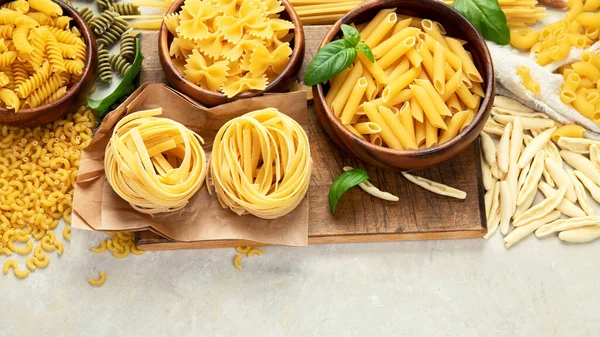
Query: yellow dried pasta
x=230, y=49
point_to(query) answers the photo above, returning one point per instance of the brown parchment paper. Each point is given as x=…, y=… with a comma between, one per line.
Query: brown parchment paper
x=96, y=206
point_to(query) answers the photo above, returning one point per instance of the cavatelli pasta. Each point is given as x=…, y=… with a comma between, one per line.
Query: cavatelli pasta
x=7, y=58
x=87, y=15
x=74, y=66
x=114, y=32
x=127, y=47
x=57, y=64
x=104, y=73
x=102, y=22
x=18, y=5
x=34, y=81
x=40, y=94
x=55, y=95
x=119, y=64
x=125, y=8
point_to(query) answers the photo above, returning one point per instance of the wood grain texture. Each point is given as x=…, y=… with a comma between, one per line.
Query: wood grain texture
x=419, y=215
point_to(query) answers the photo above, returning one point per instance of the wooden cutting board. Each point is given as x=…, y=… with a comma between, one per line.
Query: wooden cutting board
x=419, y=215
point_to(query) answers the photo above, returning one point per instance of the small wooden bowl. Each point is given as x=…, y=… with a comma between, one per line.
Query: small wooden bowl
x=76, y=95
x=457, y=26
x=210, y=98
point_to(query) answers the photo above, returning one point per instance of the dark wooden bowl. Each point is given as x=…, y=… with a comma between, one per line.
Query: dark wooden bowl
x=456, y=26
x=210, y=98
x=76, y=95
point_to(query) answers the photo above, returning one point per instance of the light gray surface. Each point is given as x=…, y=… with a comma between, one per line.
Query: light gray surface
x=433, y=288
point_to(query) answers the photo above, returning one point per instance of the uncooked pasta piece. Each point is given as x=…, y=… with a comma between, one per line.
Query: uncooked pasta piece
x=531, y=181
x=519, y=233
x=581, y=164
x=140, y=162
x=538, y=211
x=565, y=207
x=500, y=111
x=504, y=149
x=566, y=224
x=534, y=147
x=582, y=198
x=486, y=174
x=488, y=147
x=255, y=251
x=374, y=191
x=99, y=282
x=507, y=206
x=488, y=198
x=580, y=235
x=435, y=187
x=561, y=178
x=493, y=218
x=595, y=155
x=577, y=145
x=522, y=178
x=237, y=262
x=528, y=123
x=589, y=185
x=493, y=128
x=516, y=141
x=261, y=164
x=510, y=104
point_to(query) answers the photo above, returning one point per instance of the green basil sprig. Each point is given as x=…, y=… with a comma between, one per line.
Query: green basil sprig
x=336, y=56
x=344, y=182
x=487, y=17
x=100, y=106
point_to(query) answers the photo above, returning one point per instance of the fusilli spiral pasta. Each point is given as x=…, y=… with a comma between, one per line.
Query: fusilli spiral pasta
x=7, y=58
x=47, y=7
x=40, y=94
x=114, y=32
x=127, y=47
x=103, y=72
x=55, y=95
x=74, y=67
x=57, y=64
x=34, y=81
x=10, y=74
x=86, y=14
x=104, y=4
x=119, y=64
x=102, y=22
x=6, y=31
x=125, y=8
x=18, y=5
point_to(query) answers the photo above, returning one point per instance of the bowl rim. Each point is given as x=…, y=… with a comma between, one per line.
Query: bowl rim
x=489, y=88
x=163, y=50
x=86, y=33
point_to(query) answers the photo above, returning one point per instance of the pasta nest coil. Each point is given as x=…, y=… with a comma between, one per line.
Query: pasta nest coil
x=261, y=164
x=155, y=164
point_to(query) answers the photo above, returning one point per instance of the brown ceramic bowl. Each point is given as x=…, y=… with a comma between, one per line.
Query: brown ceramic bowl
x=456, y=26
x=210, y=98
x=76, y=95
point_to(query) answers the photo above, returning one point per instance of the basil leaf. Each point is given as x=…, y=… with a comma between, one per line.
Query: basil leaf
x=100, y=106
x=351, y=34
x=487, y=17
x=343, y=183
x=365, y=50
x=329, y=61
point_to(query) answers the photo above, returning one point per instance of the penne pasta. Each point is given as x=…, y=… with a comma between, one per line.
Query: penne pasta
x=454, y=126
x=467, y=63
x=356, y=96
x=428, y=107
x=345, y=90
x=397, y=128
x=386, y=133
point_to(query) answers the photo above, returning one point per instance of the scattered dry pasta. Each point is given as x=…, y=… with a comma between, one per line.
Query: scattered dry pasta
x=322, y=12
x=50, y=55
x=99, y=282
x=230, y=48
x=580, y=88
x=38, y=170
x=422, y=89
x=120, y=245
